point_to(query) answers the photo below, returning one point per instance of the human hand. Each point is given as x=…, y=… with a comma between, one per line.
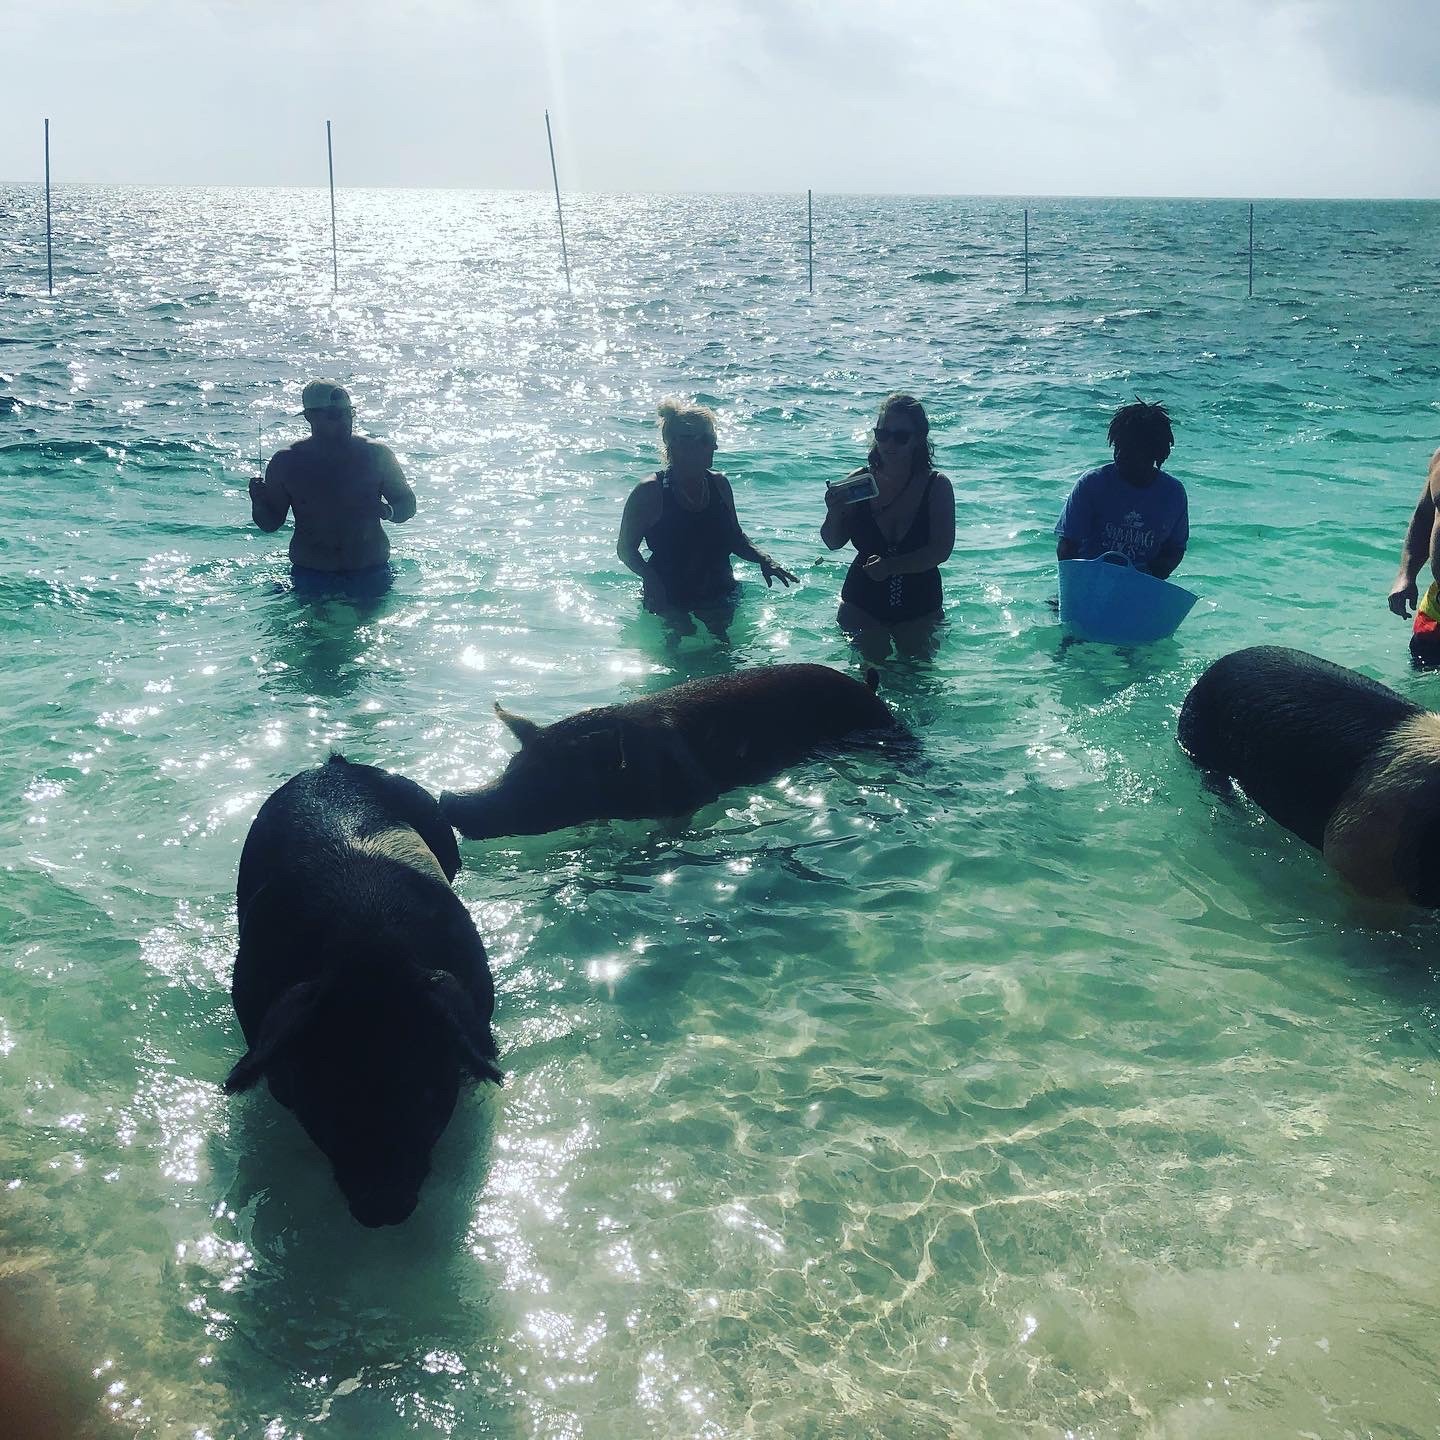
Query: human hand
x=653, y=594
x=387, y=511
x=257, y=487
x=1404, y=597
x=771, y=571
x=877, y=567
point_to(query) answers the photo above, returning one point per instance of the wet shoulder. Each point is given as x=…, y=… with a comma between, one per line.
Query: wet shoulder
x=290, y=461
x=647, y=500
x=371, y=453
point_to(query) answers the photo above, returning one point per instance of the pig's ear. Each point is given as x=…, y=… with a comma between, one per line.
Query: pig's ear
x=283, y=1022
x=522, y=729
x=447, y=999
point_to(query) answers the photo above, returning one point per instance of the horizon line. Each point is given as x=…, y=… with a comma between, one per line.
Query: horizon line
x=1238, y=197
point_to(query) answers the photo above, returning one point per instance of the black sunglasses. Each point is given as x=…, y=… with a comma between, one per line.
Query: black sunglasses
x=900, y=437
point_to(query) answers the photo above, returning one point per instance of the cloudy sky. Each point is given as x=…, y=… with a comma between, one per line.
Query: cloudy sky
x=1127, y=97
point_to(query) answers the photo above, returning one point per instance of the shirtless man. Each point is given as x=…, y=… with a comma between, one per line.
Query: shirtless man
x=340, y=488
x=1422, y=543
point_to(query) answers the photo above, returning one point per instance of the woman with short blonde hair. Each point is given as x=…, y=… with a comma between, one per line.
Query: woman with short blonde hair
x=686, y=516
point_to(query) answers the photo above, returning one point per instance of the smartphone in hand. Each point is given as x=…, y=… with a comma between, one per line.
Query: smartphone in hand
x=854, y=489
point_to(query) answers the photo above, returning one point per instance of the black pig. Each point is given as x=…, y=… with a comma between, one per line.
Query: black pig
x=668, y=754
x=1347, y=764
x=361, y=984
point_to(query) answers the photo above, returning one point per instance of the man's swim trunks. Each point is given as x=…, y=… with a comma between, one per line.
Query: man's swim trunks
x=367, y=584
x=1425, y=638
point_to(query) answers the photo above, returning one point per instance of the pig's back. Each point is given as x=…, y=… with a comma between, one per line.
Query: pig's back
x=1292, y=729
x=746, y=726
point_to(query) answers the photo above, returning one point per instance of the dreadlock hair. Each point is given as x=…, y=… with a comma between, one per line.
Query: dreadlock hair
x=1142, y=430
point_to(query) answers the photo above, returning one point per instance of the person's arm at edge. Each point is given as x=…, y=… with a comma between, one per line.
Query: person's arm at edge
x=269, y=500
x=942, y=535
x=1418, y=547
x=394, y=490
x=744, y=547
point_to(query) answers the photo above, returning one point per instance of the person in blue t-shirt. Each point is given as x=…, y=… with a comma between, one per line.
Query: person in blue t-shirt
x=1130, y=505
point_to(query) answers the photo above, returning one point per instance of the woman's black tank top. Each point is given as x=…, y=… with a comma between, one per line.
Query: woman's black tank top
x=691, y=549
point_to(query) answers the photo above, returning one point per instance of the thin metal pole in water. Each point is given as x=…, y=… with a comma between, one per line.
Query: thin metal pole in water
x=810, y=232
x=49, y=247
x=555, y=176
x=1027, y=250
x=334, y=248
x=1251, y=290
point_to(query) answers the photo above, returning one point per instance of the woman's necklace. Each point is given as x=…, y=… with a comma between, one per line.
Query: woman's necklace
x=701, y=497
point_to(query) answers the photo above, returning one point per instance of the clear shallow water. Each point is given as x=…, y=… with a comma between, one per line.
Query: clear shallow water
x=1024, y=1091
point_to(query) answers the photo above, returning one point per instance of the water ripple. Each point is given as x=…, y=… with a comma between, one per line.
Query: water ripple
x=1014, y=1085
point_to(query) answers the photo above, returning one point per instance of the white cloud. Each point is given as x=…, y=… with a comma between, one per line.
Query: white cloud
x=1238, y=97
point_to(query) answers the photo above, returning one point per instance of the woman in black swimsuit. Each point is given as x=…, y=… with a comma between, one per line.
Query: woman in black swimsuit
x=686, y=515
x=902, y=535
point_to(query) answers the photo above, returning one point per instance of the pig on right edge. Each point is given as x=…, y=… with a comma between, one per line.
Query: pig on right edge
x=668, y=754
x=1347, y=764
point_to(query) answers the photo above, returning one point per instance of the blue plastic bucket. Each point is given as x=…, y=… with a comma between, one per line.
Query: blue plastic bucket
x=1109, y=600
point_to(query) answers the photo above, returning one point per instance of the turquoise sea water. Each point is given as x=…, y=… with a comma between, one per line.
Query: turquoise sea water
x=1026, y=1090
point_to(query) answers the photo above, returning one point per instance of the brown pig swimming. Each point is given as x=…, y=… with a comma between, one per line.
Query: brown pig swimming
x=669, y=753
x=1350, y=766
x=360, y=982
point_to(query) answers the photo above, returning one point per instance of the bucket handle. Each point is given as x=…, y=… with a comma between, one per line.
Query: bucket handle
x=1115, y=557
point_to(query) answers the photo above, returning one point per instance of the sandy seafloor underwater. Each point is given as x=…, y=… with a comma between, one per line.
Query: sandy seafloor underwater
x=1026, y=1089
